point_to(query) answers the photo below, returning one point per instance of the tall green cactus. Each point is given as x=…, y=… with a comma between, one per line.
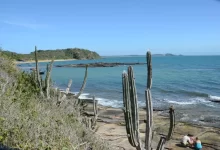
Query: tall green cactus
x=44, y=86
x=38, y=73
x=149, y=107
x=47, y=78
x=172, y=123
x=149, y=70
x=131, y=108
x=84, y=83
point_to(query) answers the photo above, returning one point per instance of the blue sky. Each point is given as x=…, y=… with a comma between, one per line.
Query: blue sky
x=112, y=27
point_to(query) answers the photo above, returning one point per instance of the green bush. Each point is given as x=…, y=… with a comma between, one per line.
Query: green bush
x=28, y=121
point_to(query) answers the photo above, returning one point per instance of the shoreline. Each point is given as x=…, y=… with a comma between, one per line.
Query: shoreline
x=182, y=112
x=163, y=112
x=33, y=61
x=111, y=126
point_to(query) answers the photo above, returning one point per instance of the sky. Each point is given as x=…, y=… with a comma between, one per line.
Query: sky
x=112, y=27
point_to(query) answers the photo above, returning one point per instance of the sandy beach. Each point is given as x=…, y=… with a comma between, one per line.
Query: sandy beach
x=33, y=61
x=111, y=127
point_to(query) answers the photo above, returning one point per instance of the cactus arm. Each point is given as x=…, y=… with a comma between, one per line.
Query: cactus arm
x=130, y=108
x=161, y=143
x=149, y=83
x=95, y=108
x=149, y=70
x=84, y=83
x=134, y=106
x=61, y=99
x=37, y=73
x=172, y=123
x=126, y=102
x=47, y=79
x=149, y=107
x=148, y=134
x=69, y=85
x=67, y=90
x=55, y=92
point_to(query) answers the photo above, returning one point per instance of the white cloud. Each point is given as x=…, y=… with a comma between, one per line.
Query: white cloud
x=25, y=24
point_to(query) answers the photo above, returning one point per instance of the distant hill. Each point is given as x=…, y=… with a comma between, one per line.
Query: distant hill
x=167, y=54
x=69, y=53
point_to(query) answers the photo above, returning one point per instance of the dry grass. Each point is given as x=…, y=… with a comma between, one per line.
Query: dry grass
x=41, y=124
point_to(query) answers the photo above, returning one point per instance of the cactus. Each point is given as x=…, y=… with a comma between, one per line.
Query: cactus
x=38, y=74
x=172, y=123
x=80, y=106
x=87, y=121
x=131, y=110
x=61, y=99
x=47, y=78
x=67, y=90
x=161, y=143
x=149, y=70
x=95, y=110
x=44, y=86
x=90, y=122
x=149, y=107
x=84, y=83
x=149, y=118
x=69, y=85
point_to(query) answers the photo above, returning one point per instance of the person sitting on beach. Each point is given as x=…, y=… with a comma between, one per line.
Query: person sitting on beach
x=187, y=140
x=198, y=144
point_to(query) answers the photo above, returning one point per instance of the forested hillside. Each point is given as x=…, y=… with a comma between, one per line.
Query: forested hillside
x=69, y=53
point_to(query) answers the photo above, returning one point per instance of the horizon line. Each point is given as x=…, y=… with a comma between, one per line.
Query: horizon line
x=161, y=55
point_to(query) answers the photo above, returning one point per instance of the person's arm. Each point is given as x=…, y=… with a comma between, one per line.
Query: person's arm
x=190, y=142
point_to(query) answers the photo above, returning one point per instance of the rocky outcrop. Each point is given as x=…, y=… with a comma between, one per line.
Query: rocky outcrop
x=100, y=64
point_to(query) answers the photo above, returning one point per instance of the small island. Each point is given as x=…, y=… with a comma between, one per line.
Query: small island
x=167, y=54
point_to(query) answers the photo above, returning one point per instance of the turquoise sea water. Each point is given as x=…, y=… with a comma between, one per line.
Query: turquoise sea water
x=190, y=83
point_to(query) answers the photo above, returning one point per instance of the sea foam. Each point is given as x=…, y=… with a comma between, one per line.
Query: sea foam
x=214, y=98
x=181, y=103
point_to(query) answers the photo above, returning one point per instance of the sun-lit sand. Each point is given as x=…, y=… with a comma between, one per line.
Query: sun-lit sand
x=111, y=127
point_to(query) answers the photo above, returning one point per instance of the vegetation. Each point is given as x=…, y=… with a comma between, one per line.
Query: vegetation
x=69, y=53
x=30, y=121
x=131, y=111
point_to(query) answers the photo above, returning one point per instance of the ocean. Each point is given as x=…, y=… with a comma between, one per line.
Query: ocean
x=189, y=83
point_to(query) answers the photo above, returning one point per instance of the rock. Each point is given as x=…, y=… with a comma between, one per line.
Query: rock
x=100, y=64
